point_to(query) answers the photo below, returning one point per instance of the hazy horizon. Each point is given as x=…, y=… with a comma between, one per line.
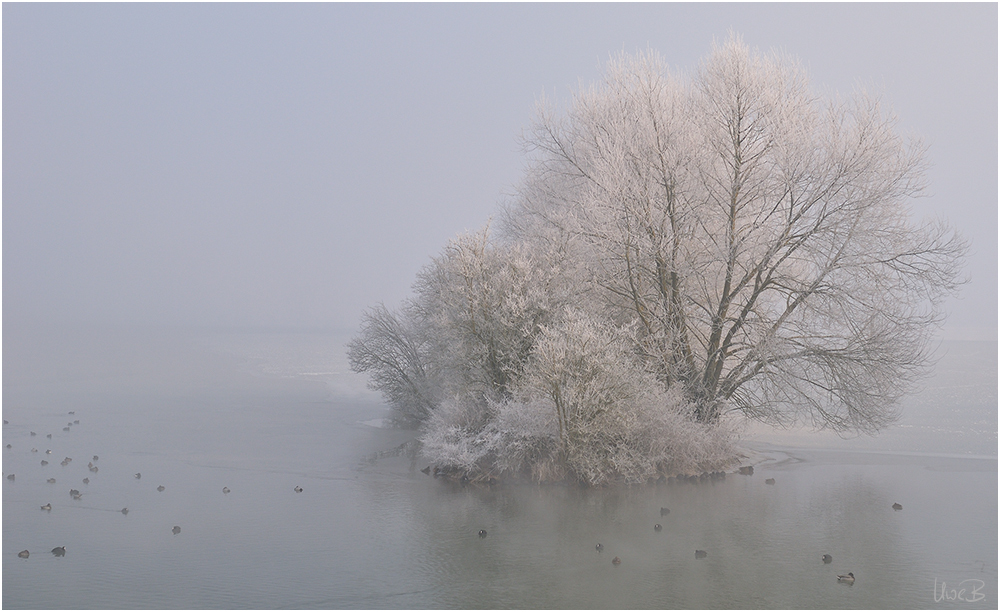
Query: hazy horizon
x=287, y=166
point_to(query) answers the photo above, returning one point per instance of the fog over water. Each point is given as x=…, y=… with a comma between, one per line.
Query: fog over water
x=264, y=412
x=199, y=202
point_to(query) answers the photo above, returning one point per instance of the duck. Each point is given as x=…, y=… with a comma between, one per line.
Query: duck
x=848, y=579
x=616, y=561
x=482, y=533
x=138, y=475
x=700, y=554
x=93, y=468
x=827, y=559
x=176, y=530
x=47, y=507
x=59, y=551
x=125, y=511
x=664, y=511
x=769, y=481
x=426, y=470
x=49, y=436
x=73, y=492
x=78, y=497
x=9, y=446
x=51, y=481
x=225, y=490
x=33, y=434
x=10, y=477
x=599, y=547
x=23, y=554
x=160, y=488
x=86, y=481
x=34, y=450
x=44, y=462
x=897, y=506
x=657, y=527
x=95, y=457
x=297, y=489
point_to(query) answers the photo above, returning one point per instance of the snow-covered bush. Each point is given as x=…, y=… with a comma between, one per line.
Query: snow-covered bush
x=585, y=408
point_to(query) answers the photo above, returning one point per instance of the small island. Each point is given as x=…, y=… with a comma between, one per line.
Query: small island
x=685, y=251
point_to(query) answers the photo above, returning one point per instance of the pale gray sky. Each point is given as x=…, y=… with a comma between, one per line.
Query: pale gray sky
x=289, y=165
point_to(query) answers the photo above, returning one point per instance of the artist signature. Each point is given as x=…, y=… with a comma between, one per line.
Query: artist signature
x=968, y=590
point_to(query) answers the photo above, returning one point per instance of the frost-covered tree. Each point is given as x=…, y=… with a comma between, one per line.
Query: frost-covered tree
x=758, y=236
x=682, y=247
x=393, y=349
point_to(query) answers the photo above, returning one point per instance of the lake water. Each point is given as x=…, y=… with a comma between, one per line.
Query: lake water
x=263, y=413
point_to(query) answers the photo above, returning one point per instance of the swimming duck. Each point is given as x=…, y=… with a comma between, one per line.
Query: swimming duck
x=72, y=412
x=599, y=547
x=225, y=489
x=138, y=475
x=616, y=561
x=10, y=477
x=33, y=434
x=426, y=470
x=297, y=489
x=176, y=530
x=95, y=457
x=897, y=506
x=51, y=481
x=160, y=488
x=49, y=436
x=769, y=481
x=848, y=579
x=59, y=551
x=664, y=511
x=48, y=452
x=73, y=492
x=34, y=450
x=9, y=446
x=93, y=468
x=47, y=507
x=65, y=428
x=23, y=554
x=657, y=527
x=700, y=554
x=827, y=559
x=86, y=481
x=482, y=533
x=125, y=511
x=44, y=462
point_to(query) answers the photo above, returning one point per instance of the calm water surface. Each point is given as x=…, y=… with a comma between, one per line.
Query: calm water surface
x=264, y=413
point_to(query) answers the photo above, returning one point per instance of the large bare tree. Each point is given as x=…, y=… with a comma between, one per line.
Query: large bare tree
x=758, y=235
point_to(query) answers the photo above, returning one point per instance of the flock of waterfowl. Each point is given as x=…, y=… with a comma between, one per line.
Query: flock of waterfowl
x=60, y=551
x=76, y=495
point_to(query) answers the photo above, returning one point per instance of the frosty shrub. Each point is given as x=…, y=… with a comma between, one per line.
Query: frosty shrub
x=586, y=409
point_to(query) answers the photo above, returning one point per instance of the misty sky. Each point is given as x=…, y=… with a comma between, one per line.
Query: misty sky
x=289, y=165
